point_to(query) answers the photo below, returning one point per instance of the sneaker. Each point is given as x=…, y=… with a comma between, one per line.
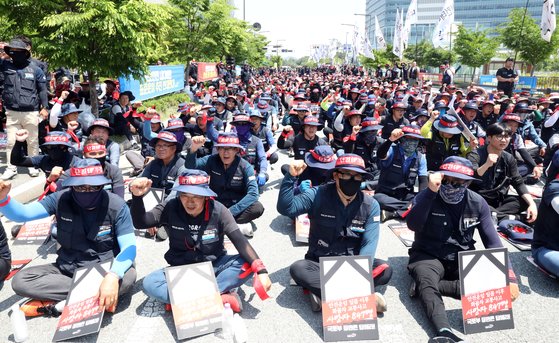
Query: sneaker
x=412, y=292
x=233, y=299
x=33, y=172
x=135, y=172
x=316, y=303
x=381, y=303
x=246, y=229
x=8, y=174
x=15, y=230
x=135, y=146
x=35, y=308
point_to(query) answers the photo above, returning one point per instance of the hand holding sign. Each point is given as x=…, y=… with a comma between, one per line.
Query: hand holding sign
x=108, y=292
x=140, y=186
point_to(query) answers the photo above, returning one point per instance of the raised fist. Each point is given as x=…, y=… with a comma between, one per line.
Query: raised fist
x=435, y=180
x=297, y=167
x=140, y=186
x=21, y=135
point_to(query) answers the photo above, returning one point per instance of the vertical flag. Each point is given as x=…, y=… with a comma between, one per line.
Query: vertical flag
x=381, y=43
x=548, y=23
x=411, y=18
x=398, y=28
x=441, y=35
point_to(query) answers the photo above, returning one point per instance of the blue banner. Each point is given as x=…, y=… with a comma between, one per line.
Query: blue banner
x=160, y=80
x=524, y=82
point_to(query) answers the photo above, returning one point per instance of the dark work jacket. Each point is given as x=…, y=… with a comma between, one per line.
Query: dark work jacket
x=367, y=152
x=546, y=229
x=78, y=247
x=230, y=185
x=328, y=236
x=20, y=87
x=183, y=247
x=436, y=151
x=393, y=181
x=154, y=171
x=437, y=238
x=388, y=125
x=250, y=154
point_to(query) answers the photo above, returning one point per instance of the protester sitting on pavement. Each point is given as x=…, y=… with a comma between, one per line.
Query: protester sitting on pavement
x=120, y=116
x=364, y=141
x=517, y=148
x=93, y=226
x=528, y=131
x=197, y=225
x=302, y=142
x=254, y=152
x=444, y=138
x=545, y=245
x=5, y=256
x=470, y=111
x=343, y=221
x=137, y=160
x=319, y=162
x=101, y=128
x=64, y=117
x=487, y=115
x=444, y=217
x=232, y=178
x=343, y=130
x=498, y=170
x=265, y=135
x=419, y=117
x=203, y=122
x=57, y=158
x=93, y=148
x=401, y=166
x=223, y=115
x=395, y=120
x=293, y=124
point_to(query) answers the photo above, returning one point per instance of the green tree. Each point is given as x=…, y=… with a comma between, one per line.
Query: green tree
x=525, y=39
x=103, y=37
x=474, y=48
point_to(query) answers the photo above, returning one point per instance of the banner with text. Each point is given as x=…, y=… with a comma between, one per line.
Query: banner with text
x=206, y=71
x=160, y=80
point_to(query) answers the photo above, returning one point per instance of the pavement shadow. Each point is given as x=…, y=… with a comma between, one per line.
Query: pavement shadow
x=7, y=303
x=293, y=298
x=286, y=226
x=538, y=281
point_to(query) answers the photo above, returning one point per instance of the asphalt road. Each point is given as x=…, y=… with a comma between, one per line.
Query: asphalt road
x=287, y=317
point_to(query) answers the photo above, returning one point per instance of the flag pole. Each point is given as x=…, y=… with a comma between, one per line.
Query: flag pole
x=521, y=31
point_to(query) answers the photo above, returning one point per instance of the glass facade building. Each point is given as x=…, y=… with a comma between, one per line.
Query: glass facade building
x=484, y=14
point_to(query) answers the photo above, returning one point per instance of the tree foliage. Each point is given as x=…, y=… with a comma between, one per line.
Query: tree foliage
x=426, y=55
x=525, y=39
x=474, y=48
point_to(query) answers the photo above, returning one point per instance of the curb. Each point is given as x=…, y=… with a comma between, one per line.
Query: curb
x=29, y=190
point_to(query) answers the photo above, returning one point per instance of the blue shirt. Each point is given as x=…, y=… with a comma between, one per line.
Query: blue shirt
x=422, y=168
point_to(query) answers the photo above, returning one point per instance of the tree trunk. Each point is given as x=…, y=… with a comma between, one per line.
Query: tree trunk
x=473, y=74
x=533, y=69
x=93, y=93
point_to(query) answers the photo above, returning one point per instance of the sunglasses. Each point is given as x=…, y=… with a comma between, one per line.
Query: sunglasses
x=348, y=176
x=456, y=183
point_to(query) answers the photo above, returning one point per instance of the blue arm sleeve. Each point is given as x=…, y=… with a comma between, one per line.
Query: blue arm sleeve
x=535, y=137
x=372, y=232
x=262, y=160
x=146, y=129
x=270, y=138
x=126, y=241
x=423, y=166
x=211, y=132
x=252, y=193
x=20, y=213
x=331, y=111
x=421, y=206
x=290, y=205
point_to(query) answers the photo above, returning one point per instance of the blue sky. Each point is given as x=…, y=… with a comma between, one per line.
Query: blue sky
x=299, y=24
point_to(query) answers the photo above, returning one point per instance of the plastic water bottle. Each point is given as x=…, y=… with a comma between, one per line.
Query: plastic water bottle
x=227, y=323
x=494, y=219
x=19, y=325
x=240, y=329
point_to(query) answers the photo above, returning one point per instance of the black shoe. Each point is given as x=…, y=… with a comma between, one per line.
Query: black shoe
x=161, y=234
x=15, y=230
x=387, y=215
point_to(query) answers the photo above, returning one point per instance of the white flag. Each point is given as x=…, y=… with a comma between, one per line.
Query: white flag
x=441, y=35
x=381, y=43
x=368, y=49
x=411, y=18
x=397, y=48
x=548, y=23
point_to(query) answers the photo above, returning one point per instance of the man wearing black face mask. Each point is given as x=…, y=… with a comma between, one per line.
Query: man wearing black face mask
x=444, y=217
x=401, y=165
x=343, y=221
x=93, y=226
x=25, y=93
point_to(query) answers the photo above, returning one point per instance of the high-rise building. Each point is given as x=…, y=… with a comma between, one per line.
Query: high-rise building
x=484, y=14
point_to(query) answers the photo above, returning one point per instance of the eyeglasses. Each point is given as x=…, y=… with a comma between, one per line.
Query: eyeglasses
x=164, y=146
x=87, y=188
x=456, y=183
x=502, y=137
x=226, y=148
x=348, y=176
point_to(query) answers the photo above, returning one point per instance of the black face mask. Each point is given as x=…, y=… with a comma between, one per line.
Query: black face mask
x=19, y=57
x=56, y=154
x=350, y=187
x=87, y=200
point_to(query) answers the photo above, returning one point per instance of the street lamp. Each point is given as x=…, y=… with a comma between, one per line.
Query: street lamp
x=345, y=47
